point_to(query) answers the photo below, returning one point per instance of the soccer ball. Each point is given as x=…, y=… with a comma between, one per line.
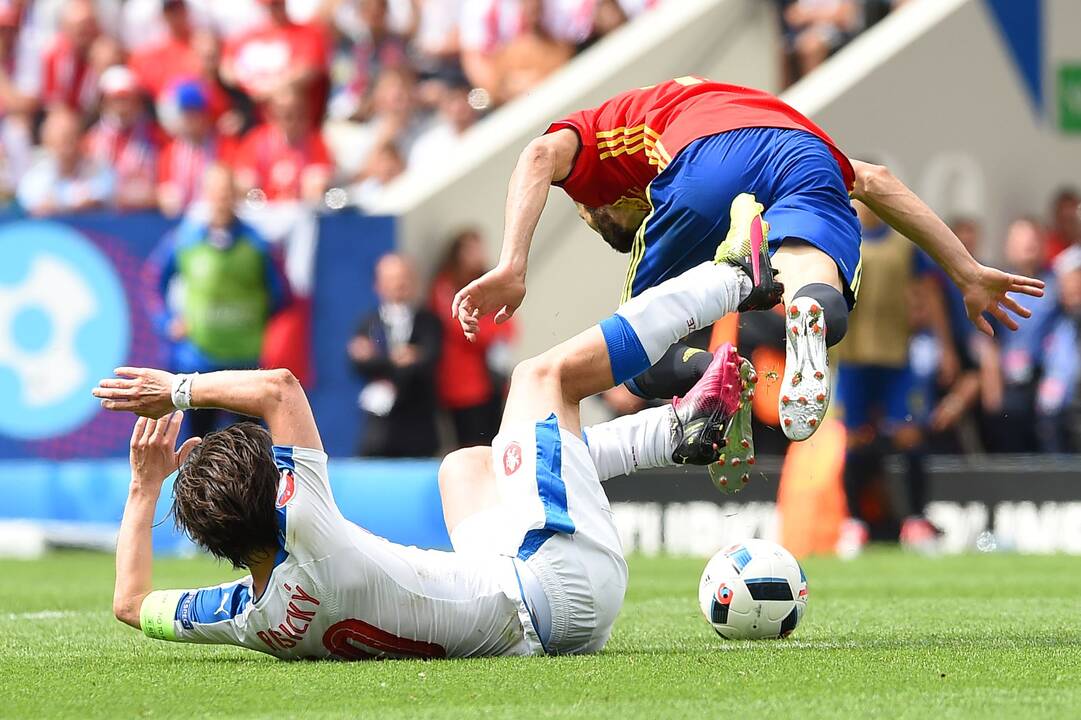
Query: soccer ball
x=753, y=590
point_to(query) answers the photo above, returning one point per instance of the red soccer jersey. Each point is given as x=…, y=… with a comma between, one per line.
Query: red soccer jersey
x=67, y=78
x=278, y=166
x=628, y=140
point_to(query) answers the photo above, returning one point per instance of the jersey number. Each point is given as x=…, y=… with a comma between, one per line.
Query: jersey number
x=357, y=640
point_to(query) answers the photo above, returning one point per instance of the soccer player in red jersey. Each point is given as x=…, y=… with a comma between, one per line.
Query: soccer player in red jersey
x=691, y=171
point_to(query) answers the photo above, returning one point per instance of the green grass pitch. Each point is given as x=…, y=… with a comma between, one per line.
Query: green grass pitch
x=888, y=635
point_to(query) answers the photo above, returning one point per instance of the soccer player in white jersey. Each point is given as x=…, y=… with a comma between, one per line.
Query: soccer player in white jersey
x=537, y=568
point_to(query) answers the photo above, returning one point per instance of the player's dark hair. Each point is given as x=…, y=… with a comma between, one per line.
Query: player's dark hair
x=223, y=497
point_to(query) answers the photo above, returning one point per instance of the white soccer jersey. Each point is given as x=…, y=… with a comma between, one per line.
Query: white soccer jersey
x=338, y=591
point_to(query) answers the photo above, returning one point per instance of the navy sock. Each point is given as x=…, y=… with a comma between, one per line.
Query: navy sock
x=674, y=374
x=834, y=309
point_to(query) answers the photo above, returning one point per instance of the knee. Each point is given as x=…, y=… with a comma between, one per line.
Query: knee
x=834, y=306
x=545, y=369
x=461, y=470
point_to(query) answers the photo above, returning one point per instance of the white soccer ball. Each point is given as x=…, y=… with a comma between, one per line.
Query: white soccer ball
x=753, y=590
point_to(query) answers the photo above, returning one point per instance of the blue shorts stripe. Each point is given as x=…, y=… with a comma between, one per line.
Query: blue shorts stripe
x=550, y=487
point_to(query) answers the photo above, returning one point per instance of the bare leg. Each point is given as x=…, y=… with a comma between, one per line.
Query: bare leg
x=800, y=264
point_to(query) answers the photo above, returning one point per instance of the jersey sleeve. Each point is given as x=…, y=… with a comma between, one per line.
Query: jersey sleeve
x=309, y=521
x=582, y=183
x=202, y=615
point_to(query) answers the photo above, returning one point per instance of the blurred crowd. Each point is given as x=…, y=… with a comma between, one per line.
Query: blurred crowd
x=124, y=104
x=915, y=376
x=221, y=300
x=815, y=29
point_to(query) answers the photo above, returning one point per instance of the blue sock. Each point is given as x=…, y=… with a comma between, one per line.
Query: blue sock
x=625, y=351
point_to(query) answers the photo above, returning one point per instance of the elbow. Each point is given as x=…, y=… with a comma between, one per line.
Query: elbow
x=871, y=180
x=282, y=384
x=538, y=157
x=126, y=610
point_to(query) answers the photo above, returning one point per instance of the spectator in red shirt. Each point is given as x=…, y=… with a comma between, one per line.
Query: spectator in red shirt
x=195, y=149
x=67, y=73
x=161, y=65
x=126, y=140
x=1065, y=222
x=469, y=374
x=285, y=158
x=279, y=51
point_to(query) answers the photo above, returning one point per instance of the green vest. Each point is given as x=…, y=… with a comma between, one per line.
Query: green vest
x=225, y=299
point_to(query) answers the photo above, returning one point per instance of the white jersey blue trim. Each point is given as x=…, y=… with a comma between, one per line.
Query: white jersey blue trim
x=550, y=487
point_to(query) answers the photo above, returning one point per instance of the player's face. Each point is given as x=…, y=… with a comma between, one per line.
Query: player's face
x=618, y=228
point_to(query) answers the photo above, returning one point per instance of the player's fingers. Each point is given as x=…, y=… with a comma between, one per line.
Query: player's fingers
x=1024, y=280
x=172, y=430
x=1003, y=317
x=112, y=393
x=118, y=405
x=185, y=450
x=983, y=326
x=148, y=430
x=129, y=372
x=137, y=431
x=116, y=383
x=1027, y=289
x=456, y=302
x=1016, y=307
x=503, y=315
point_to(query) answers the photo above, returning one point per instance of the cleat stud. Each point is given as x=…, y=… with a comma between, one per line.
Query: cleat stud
x=735, y=462
x=802, y=400
x=788, y=422
x=745, y=443
x=821, y=397
x=819, y=375
x=795, y=330
x=745, y=479
x=815, y=309
x=752, y=460
x=724, y=481
x=721, y=462
x=785, y=400
x=793, y=311
x=813, y=422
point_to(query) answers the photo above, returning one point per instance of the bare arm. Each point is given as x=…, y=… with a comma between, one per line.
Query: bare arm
x=152, y=460
x=545, y=160
x=273, y=395
x=984, y=288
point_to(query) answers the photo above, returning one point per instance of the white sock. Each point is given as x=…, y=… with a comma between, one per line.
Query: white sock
x=667, y=313
x=643, y=440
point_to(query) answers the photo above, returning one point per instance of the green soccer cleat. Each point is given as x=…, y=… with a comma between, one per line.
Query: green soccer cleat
x=732, y=471
x=747, y=247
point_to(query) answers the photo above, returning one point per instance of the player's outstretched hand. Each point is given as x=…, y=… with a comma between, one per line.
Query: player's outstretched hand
x=501, y=290
x=154, y=455
x=143, y=391
x=987, y=293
